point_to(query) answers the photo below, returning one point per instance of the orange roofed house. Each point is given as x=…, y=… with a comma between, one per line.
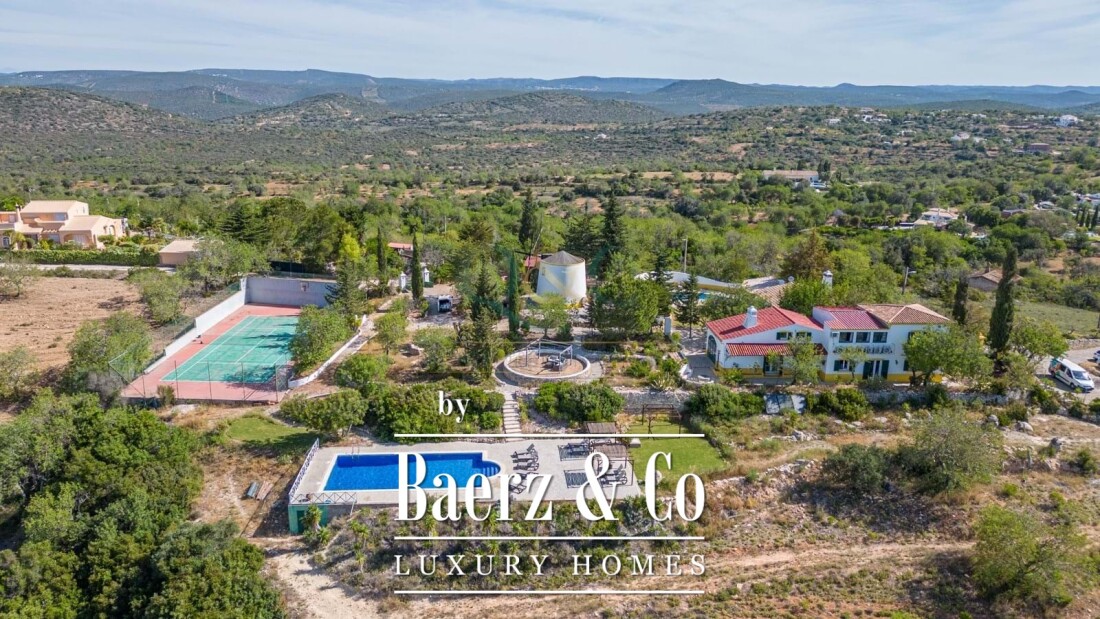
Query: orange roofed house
x=755, y=342
x=59, y=221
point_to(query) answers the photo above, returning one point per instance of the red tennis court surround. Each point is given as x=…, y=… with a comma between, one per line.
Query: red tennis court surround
x=217, y=387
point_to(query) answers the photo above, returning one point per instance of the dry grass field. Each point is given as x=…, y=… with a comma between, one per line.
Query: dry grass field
x=45, y=318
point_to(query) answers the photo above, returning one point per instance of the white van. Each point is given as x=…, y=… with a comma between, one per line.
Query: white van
x=1072, y=374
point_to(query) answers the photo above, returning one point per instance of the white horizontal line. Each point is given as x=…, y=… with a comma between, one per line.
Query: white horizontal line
x=543, y=435
x=551, y=538
x=556, y=592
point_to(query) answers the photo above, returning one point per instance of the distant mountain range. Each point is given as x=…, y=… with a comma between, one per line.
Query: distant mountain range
x=213, y=94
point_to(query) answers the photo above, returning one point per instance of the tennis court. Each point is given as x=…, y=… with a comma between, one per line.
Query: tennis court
x=248, y=353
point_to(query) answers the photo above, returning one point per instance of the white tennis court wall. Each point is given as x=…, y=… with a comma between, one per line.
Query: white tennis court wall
x=288, y=291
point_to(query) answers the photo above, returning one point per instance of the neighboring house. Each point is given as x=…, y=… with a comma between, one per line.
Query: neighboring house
x=59, y=221
x=679, y=278
x=988, y=281
x=795, y=177
x=1067, y=120
x=770, y=289
x=177, y=252
x=756, y=341
x=937, y=217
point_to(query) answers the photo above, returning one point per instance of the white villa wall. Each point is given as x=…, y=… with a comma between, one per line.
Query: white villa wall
x=765, y=337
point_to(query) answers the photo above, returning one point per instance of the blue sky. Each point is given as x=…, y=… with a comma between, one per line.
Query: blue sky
x=813, y=42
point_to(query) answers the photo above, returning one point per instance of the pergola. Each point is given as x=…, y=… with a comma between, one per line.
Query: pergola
x=616, y=452
x=600, y=427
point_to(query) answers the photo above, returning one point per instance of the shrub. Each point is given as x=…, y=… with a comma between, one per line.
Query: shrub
x=1077, y=408
x=18, y=374
x=731, y=377
x=166, y=396
x=637, y=369
x=439, y=345
x=1019, y=556
x=857, y=467
x=145, y=257
x=1044, y=399
x=846, y=404
x=393, y=409
x=1086, y=462
x=950, y=452
x=578, y=402
x=936, y=396
x=358, y=371
x=104, y=354
x=331, y=415
x=160, y=292
x=1094, y=407
x=717, y=403
x=319, y=333
x=1015, y=411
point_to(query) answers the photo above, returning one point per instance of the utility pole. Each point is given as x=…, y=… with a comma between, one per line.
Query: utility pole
x=905, y=281
x=684, y=264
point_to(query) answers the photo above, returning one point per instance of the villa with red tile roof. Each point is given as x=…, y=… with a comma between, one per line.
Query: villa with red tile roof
x=755, y=342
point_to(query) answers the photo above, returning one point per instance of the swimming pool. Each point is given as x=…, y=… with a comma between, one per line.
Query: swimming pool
x=379, y=471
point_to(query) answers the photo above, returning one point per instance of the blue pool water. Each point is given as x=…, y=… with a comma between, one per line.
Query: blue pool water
x=379, y=471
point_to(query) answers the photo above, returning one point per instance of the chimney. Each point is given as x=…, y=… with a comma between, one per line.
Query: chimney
x=750, y=318
x=827, y=278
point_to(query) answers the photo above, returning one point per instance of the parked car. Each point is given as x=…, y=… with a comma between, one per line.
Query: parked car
x=1072, y=375
x=1096, y=357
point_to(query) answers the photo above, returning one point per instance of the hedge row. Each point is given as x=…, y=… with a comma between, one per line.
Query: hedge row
x=90, y=256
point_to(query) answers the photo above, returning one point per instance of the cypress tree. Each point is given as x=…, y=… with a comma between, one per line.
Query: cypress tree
x=380, y=252
x=661, y=277
x=613, y=226
x=417, y=275
x=484, y=302
x=958, y=310
x=1000, y=323
x=512, y=295
x=687, y=306
x=613, y=234
x=528, y=222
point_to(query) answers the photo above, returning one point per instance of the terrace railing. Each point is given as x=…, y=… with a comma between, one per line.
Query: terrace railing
x=293, y=494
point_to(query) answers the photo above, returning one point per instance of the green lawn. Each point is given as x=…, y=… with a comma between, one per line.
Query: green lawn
x=689, y=455
x=255, y=431
x=1068, y=319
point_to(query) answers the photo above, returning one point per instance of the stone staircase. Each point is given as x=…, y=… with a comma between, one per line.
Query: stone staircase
x=511, y=414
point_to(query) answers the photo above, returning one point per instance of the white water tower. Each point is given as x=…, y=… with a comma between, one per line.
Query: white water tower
x=563, y=273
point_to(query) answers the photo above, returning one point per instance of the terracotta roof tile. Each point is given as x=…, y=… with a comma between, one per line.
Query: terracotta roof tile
x=759, y=350
x=767, y=319
x=912, y=314
x=852, y=318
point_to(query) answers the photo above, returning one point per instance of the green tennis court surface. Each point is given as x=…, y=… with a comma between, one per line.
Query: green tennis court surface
x=249, y=352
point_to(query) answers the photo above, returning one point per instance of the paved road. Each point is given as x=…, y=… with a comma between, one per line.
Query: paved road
x=96, y=267
x=1077, y=356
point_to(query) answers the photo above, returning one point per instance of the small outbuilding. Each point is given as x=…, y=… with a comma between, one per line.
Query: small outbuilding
x=177, y=252
x=564, y=274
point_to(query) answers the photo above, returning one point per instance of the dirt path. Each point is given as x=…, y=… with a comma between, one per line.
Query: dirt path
x=314, y=594
x=311, y=592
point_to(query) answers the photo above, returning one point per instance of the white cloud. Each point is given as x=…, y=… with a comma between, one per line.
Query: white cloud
x=784, y=41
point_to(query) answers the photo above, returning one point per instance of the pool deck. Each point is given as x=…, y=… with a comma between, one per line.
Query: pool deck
x=313, y=482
